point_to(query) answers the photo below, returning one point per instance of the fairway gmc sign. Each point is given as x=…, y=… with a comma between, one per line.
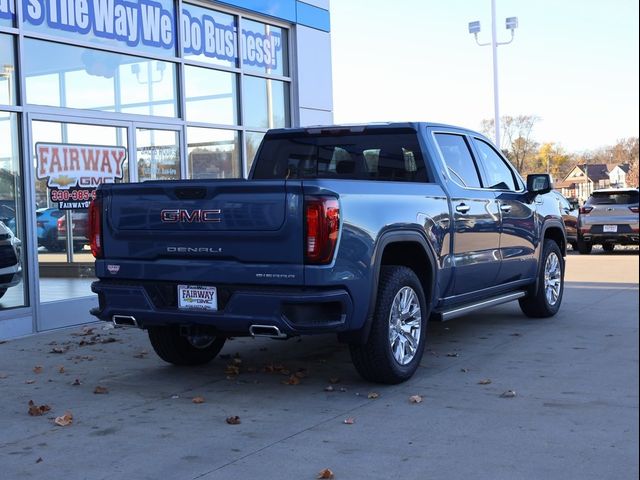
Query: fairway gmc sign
x=73, y=172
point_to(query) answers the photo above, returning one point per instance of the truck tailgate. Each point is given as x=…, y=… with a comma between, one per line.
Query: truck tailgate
x=235, y=221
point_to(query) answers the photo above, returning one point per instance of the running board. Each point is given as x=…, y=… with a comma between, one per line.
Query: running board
x=472, y=307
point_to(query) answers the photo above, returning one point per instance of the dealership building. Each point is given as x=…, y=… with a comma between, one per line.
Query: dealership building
x=95, y=91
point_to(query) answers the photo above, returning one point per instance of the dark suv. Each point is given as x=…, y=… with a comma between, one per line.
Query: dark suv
x=608, y=218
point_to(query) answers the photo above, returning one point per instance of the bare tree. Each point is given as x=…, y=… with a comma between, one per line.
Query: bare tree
x=517, y=141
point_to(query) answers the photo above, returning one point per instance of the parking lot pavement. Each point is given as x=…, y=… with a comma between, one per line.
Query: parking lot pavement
x=574, y=414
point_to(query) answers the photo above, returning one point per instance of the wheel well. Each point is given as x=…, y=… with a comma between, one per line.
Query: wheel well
x=412, y=255
x=555, y=234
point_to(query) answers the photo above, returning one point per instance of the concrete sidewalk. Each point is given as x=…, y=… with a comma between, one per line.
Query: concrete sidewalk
x=574, y=415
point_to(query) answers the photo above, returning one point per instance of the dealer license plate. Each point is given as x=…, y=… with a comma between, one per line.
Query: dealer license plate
x=194, y=297
x=610, y=229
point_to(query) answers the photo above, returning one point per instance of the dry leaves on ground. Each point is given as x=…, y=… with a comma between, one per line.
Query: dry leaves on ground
x=508, y=394
x=373, y=395
x=329, y=388
x=484, y=381
x=100, y=390
x=232, y=370
x=142, y=354
x=197, y=399
x=59, y=349
x=326, y=474
x=30, y=381
x=349, y=421
x=39, y=460
x=415, y=399
x=37, y=369
x=64, y=420
x=233, y=420
x=292, y=380
x=453, y=354
x=37, y=410
x=3, y=376
x=334, y=380
x=76, y=382
x=464, y=370
x=61, y=369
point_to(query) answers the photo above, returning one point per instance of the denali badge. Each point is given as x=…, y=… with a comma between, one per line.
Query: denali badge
x=194, y=250
x=190, y=216
x=113, y=269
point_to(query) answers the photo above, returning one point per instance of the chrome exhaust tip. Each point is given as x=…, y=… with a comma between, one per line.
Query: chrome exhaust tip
x=124, y=321
x=270, y=331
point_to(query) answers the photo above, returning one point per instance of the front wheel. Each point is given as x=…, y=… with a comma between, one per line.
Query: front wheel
x=396, y=341
x=172, y=347
x=545, y=299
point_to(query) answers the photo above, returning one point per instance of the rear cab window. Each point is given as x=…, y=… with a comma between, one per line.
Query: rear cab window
x=381, y=154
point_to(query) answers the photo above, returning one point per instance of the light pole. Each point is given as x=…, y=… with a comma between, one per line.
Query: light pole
x=474, y=27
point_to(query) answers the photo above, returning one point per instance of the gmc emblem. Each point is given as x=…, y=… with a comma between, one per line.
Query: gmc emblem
x=190, y=216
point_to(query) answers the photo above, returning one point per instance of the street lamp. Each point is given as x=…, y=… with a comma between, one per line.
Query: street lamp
x=511, y=24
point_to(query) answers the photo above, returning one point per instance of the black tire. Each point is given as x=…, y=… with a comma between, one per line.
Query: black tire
x=179, y=350
x=574, y=246
x=584, y=247
x=375, y=360
x=536, y=304
x=2, y=292
x=608, y=247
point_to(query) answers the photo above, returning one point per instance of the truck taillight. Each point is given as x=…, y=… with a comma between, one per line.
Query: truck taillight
x=585, y=210
x=95, y=227
x=323, y=225
x=634, y=209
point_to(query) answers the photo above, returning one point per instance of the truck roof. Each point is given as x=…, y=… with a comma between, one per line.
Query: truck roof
x=360, y=127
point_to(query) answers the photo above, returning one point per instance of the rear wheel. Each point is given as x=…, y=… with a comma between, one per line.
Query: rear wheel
x=584, y=247
x=545, y=299
x=179, y=349
x=608, y=247
x=395, y=344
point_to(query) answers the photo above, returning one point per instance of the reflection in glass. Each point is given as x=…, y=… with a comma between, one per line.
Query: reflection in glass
x=266, y=103
x=209, y=36
x=253, y=140
x=211, y=96
x=264, y=48
x=64, y=76
x=7, y=71
x=13, y=292
x=158, y=154
x=7, y=14
x=213, y=153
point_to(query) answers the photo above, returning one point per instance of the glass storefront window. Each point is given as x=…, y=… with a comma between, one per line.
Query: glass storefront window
x=252, y=140
x=213, y=153
x=158, y=154
x=146, y=27
x=266, y=103
x=209, y=36
x=264, y=48
x=13, y=291
x=211, y=96
x=7, y=71
x=64, y=76
x=7, y=13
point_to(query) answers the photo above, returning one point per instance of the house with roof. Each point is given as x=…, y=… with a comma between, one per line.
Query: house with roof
x=618, y=175
x=584, y=179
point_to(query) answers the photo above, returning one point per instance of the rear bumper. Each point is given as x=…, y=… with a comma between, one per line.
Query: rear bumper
x=617, y=238
x=294, y=311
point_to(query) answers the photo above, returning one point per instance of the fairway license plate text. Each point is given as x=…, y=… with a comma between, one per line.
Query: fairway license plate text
x=610, y=228
x=193, y=297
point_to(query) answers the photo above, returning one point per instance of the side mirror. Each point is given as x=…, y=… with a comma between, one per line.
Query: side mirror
x=539, y=183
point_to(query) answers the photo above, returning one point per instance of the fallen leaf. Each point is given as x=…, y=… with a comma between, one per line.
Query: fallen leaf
x=329, y=389
x=349, y=421
x=373, y=395
x=39, y=460
x=37, y=410
x=342, y=389
x=108, y=340
x=452, y=354
x=301, y=373
x=233, y=420
x=415, y=399
x=59, y=349
x=37, y=369
x=237, y=361
x=141, y=354
x=29, y=382
x=3, y=376
x=61, y=369
x=64, y=420
x=334, y=380
x=232, y=370
x=76, y=382
x=326, y=474
x=508, y=394
x=292, y=380
x=99, y=390
x=197, y=399
x=484, y=381
x=464, y=370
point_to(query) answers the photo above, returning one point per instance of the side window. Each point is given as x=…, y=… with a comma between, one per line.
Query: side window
x=458, y=158
x=499, y=175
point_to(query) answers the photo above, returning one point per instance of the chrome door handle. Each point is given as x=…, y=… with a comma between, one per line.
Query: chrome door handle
x=505, y=208
x=462, y=208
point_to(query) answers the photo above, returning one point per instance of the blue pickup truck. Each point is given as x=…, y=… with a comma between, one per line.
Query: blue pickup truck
x=363, y=231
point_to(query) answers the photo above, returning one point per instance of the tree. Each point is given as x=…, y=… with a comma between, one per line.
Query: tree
x=551, y=158
x=517, y=141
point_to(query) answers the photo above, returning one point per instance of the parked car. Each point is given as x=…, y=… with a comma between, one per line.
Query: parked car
x=80, y=223
x=10, y=265
x=569, y=213
x=47, y=228
x=609, y=217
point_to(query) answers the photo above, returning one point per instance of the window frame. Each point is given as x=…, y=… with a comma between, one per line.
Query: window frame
x=517, y=179
x=477, y=167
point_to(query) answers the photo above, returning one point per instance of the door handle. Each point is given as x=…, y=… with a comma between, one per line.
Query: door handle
x=462, y=208
x=505, y=208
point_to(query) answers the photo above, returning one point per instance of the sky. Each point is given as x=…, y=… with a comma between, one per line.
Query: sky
x=573, y=63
